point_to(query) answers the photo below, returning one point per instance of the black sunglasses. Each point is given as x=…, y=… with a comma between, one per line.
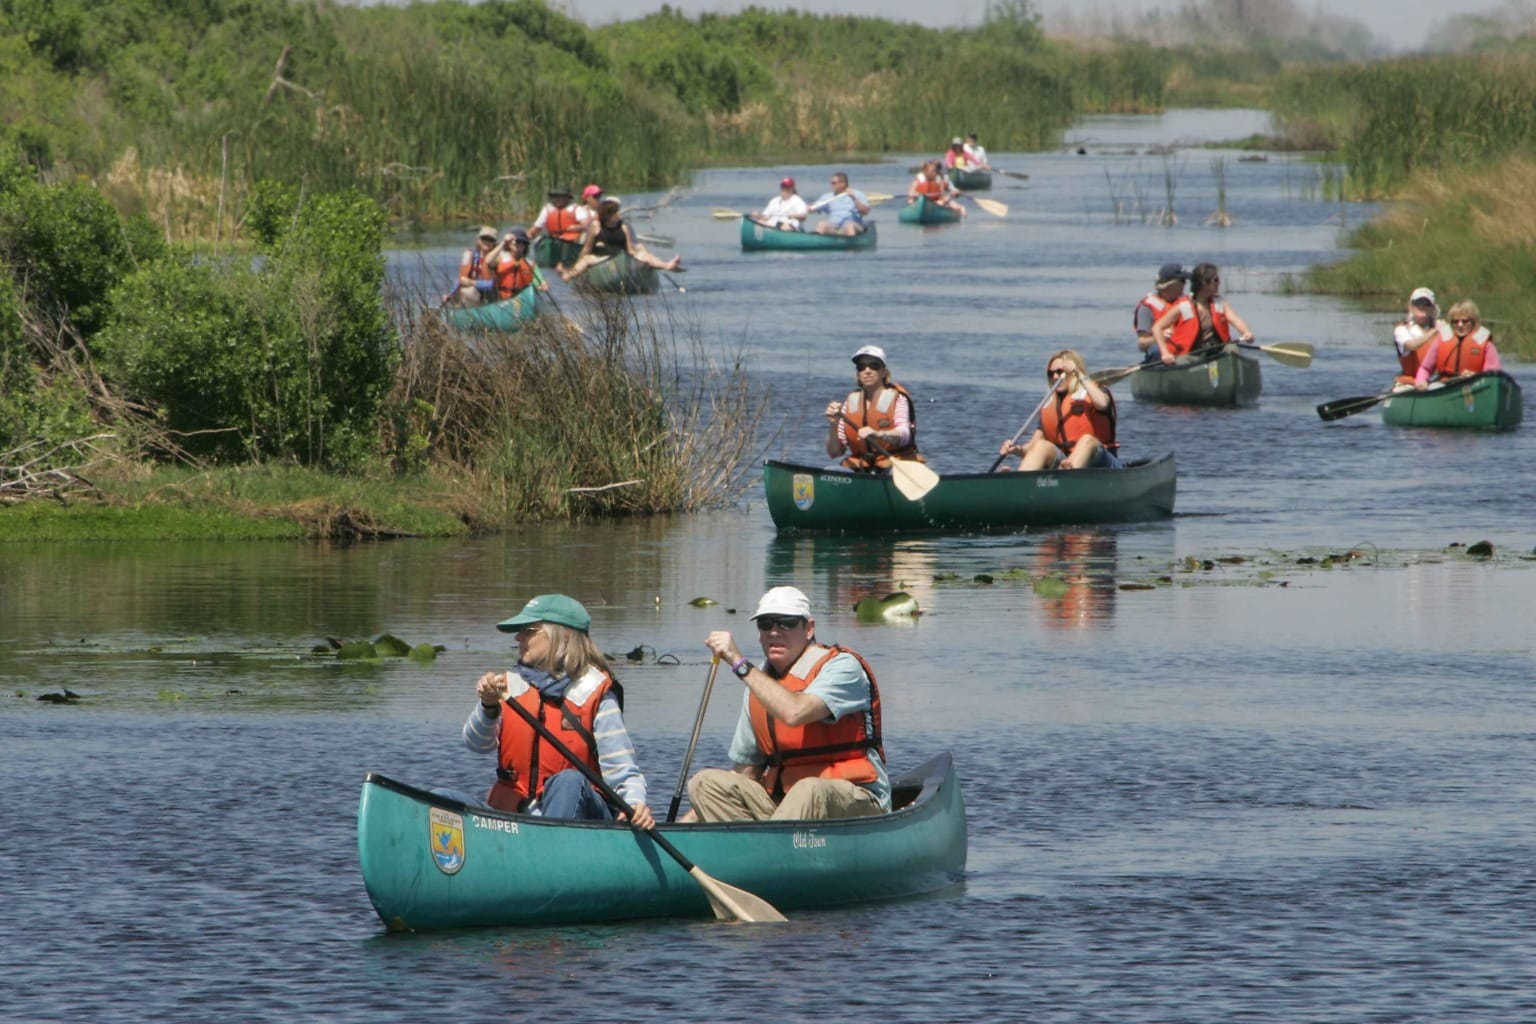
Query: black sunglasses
x=1462, y=320
x=767, y=623
x=869, y=365
x=1053, y=374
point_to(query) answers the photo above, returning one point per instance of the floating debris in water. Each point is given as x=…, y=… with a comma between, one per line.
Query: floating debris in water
x=703, y=602
x=67, y=697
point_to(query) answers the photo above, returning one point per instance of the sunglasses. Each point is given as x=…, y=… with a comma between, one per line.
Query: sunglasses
x=1053, y=374
x=1462, y=320
x=870, y=366
x=528, y=632
x=769, y=623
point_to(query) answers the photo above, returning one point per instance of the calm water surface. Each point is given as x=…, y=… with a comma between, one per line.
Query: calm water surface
x=1261, y=790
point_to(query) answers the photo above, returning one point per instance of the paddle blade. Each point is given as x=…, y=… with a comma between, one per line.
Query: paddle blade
x=875, y=198
x=913, y=479
x=1107, y=377
x=721, y=213
x=732, y=904
x=992, y=206
x=1291, y=353
x=1341, y=407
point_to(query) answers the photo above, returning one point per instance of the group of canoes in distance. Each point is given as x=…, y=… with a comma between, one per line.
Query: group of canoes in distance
x=587, y=240
x=806, y=815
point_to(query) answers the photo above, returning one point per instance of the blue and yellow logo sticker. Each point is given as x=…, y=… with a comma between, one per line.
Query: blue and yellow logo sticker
x=446, y=831
x=804, y=491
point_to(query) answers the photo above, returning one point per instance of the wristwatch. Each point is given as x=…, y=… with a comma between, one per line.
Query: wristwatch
x=741, y=668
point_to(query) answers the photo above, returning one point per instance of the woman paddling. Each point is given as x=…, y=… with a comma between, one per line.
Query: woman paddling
x=1199, y=320
x=562, y=679
x=608, y=236
x=876, y=422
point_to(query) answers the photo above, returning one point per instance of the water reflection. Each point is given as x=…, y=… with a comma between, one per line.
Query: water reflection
x=848, y=569
x=1075, y=578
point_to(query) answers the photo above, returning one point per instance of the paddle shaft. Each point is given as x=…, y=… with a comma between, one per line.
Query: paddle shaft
x=693, y=741
x=609, y=794
x=1027, y=422
x=911, y=477
x=1342, y=407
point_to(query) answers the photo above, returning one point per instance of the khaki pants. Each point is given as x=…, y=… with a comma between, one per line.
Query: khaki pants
x=721, y=795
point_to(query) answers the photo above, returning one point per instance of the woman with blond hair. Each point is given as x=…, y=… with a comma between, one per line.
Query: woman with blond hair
x=1077, y=421
x=563, y=681
x=1467, y=351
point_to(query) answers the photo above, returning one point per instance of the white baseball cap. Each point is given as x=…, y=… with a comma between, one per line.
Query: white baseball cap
x=870, y=352
x=784, y=601
x=1423, y=294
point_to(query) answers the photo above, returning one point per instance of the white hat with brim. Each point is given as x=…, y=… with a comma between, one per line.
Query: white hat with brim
x=870, y=352
x=784, y=601
x=1422, y=295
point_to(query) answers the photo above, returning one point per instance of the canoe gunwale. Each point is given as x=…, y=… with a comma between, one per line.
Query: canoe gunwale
x=1399, y=410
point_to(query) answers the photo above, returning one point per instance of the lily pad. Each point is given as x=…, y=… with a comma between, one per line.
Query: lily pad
x=892, y=607
x=356, y=649
x=425, y=652
x=703, y=602
x=1052, y=586
x=391, y=646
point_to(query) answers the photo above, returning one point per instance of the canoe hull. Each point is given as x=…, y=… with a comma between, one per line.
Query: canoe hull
x=1230, y=379
x=429, y=862
x=805, y=498
x=1487, y=401
x=548, y=251
x=508, y=315
x=621, y=274
x=757, y=237
x=921, y=211
x=970, y=181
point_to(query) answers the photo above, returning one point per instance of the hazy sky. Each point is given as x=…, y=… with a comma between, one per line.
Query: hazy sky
x=1403, y=24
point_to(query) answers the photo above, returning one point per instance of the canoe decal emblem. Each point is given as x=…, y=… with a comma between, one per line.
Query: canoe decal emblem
x=804, y=491
x=1468, y=399
x=1213, y=371
x=447, y=840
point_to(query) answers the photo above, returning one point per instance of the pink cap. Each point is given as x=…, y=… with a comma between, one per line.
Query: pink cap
x=787, y=183
x=591, y=190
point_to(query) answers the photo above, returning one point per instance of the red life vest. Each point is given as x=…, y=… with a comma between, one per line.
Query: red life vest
x=524, y=761
x=512, y=275
x=836, y=750
x=1153, y=301
x=1410, y=360
x=881, y=416
x=1080, y=419
x=564, y=224
x=932, y=189
x=1462, y=355
x=1186, y=333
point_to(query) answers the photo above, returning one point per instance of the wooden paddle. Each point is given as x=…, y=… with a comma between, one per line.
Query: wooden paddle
x=728, y=902
x=666, y=241
x=693, y=741
x=992, y=206
x=721, y=213
x=1341, y=407
x=1291, y=353
x=912, y=478
x=999, y=461
x=1107, y=377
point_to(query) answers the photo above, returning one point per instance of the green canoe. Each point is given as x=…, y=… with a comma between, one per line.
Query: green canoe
x=970, y=181
x=508, y=315
x=921, y=211
x=1486, y=401
x=811, y=499
x=1226, y=377
x=430, y=861
x=757, y=237
x=620, y=274
x=548, y=250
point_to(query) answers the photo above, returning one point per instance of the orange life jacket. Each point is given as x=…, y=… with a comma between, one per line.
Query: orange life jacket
x=564, y=224
x=879, y=415
x=836, y=750
x=1186, y=333
x=932, y=189
x=524, y=761
x=1153, y=301
x=1066, y=420
x=472, y=265
x=1410, y=360
x=512, y=276
x=1463, y=355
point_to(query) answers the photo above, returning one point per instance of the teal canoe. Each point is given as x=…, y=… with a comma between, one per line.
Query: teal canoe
x=433, y=862
x=1485, y=401
x=757, y=237
x=805, y=498
x=547, y=251
x=970, y=181
x=508, y=315
x=620, y=274
x=1225, y=378
x=921, y=211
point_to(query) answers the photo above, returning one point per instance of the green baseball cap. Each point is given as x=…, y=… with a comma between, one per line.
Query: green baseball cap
x=556, y=608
